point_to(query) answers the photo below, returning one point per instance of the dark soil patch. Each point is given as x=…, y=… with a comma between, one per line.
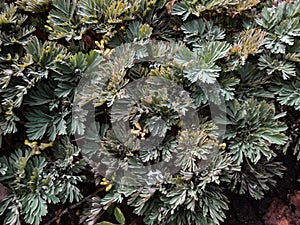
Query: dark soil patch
x=246, y=210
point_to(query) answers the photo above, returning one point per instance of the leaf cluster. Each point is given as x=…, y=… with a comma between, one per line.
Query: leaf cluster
x=172, y=104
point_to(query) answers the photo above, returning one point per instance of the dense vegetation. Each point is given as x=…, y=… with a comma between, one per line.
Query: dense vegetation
x=161, y=105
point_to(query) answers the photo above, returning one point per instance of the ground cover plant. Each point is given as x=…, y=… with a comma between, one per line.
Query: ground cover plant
x=146, y=111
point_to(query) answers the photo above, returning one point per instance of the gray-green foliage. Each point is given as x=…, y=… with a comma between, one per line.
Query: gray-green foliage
x=64, y=61
x=35, y=181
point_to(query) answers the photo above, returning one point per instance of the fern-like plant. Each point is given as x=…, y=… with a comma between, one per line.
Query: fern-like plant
x=167, y=104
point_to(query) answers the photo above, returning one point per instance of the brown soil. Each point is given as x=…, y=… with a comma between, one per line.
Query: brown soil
x=281, y=214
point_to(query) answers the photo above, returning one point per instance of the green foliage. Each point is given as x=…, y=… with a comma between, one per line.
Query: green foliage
x=35, y=181
x=187, y=7
x=272, y=66
x=199, y=31
x=172, y=104
x=253, y=127
x=35, y=6
x=288, y=93
x=200, y=65
x=255, y=179
x=191, y=189
x=119, y=216
x=282, y=26
x=62, y=20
